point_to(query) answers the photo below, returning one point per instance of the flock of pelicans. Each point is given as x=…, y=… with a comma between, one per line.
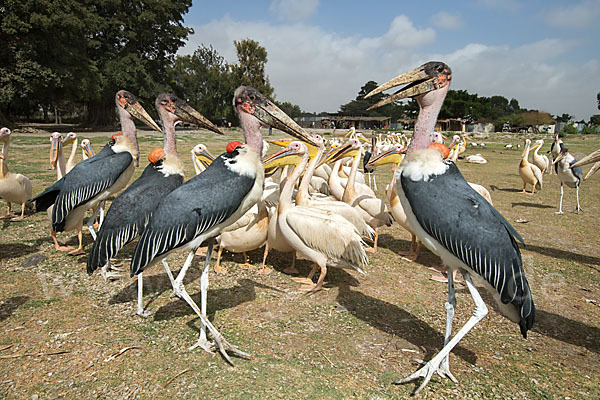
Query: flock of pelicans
x=293, y=201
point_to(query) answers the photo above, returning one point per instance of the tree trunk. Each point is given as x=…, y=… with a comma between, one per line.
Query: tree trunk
x=101, y=114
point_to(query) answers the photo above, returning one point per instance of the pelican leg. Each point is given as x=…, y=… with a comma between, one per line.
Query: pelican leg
x=58, y=246
x=140, y=305
x=560, y=211
x=435, y=364
x=374, y=248
x=79, y=250
x=308, y=280
x=246, y=264
x=218, y=268
x=292, y=269
x=578, y=205
x=264, y=270
x=19, y=218
x=311, y=287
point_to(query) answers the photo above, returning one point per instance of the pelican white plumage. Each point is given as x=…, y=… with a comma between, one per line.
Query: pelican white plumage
x=540, y=160
x=321, y=236
x=530, y=174
x=14, y=188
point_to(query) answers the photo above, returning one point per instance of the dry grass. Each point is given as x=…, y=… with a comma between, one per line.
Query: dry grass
x=60, y=327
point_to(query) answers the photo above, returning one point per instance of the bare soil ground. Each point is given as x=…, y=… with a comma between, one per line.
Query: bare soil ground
x=64, y=334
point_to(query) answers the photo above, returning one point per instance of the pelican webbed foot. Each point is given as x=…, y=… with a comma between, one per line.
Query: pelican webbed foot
x=264, y=271
x=77, y=252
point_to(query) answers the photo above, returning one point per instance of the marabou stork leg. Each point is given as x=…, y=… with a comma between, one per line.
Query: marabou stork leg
x=560, y=211
x=436, y=363
x=140, y=305
x=578, y=206
x=220, y=341
x=90, y=223
x=107, y=272
x=101, y=217
x=374, y=181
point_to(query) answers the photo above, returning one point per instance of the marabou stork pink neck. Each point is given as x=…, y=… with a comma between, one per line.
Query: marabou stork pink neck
x=252, y=135
x=168, y=121
x=430, y=105
x=128, y=129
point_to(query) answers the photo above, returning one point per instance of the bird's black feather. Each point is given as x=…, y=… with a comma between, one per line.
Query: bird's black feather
x=470, y=228
x=85, y=181
x=129, y=213
x=199, y=204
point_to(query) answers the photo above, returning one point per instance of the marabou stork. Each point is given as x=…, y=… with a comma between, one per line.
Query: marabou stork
x=131, y=210
x=94, y=180
x=590, y=158
x=481, y=244
x=14, y=188
x=568, y=175
x=202, y=207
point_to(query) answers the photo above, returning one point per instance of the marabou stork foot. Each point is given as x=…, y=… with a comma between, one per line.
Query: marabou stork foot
x=117, y=267
x=264, y=271
x=77, y=252
x=220, y=270
x=143, y=314
x=204, y=344
x=576, y=211
x=435, y=365
x=108, y=274
x=558, y=212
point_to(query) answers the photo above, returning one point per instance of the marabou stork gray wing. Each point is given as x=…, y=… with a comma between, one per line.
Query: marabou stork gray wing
x=85, y=181
x=463, y=222
x=129, y=213
x=198, y=205
x=577, y=171
x=45, y=199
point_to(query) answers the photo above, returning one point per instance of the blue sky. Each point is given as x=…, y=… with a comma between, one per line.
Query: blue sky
x=546, y=54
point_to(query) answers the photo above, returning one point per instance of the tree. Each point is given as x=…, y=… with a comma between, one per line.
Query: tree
x=595, y=119
x=250, y=70
x=204, y=80
x=598, y=100
x=293, y=110
x=564, y=118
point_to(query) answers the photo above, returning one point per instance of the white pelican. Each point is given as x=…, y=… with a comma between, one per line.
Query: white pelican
x=433, y=193
x=530, y=174
x=540, y=160
x=14, y=188
x=94, y=180
x=86, y=149
x=568, y=175
x=202, y=207
x=325, y=238
x=372, y=209
x=201, y=157
x=476, y=159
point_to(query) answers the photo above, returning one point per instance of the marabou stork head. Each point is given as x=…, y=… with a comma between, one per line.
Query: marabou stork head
x=427, y=78
x=249, y=102
x=181, y=111
x=128, y=102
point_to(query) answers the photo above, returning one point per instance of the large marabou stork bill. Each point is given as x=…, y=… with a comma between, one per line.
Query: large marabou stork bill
x=131, y=210
x=202, y=207
x=481, y=243
x=590, y=158
x=94, y=180
x=568, y=175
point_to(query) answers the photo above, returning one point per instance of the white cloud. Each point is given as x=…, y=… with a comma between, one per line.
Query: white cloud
x=446, y=20
x=293, y=10
x=575, y=16
x=319, y=70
